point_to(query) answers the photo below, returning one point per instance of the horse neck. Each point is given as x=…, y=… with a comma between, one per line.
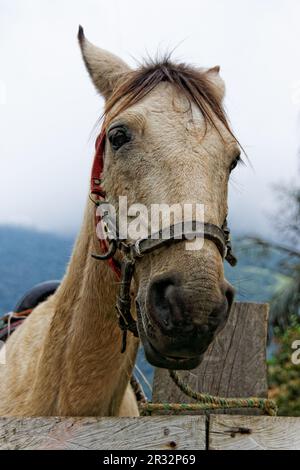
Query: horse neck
x=95, y=374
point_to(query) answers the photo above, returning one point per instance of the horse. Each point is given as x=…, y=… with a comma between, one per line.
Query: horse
x=165, y=139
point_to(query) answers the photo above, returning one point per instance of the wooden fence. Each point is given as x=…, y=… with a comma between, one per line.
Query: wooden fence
x=234, y=365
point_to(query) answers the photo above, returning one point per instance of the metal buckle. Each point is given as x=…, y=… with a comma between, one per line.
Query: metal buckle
x=136, y=248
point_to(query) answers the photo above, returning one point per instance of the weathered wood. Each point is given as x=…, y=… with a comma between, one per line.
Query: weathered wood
x=176, y=432
x=224, y=432
x=233, y=366
x=254, y=433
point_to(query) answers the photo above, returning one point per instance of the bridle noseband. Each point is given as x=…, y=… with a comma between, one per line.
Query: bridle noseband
x=132, y=251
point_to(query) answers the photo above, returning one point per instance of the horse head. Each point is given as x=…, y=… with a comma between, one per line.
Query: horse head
x=168, y=142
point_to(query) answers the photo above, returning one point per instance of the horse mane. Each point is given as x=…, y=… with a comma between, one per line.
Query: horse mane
x=194, y=83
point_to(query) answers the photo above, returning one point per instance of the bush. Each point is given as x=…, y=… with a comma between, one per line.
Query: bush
x=283, y=375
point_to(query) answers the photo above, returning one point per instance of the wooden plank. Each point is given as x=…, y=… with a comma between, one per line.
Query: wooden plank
x=173, y=433
x=254, y=433
x=234, y=364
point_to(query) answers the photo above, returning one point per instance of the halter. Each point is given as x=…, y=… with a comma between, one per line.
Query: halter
x=124, y=270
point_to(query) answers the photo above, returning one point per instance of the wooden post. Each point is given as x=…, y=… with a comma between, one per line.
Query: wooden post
x=233, y=366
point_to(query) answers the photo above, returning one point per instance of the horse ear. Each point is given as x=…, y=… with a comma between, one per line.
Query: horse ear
x=214, y=77
x=105, y=69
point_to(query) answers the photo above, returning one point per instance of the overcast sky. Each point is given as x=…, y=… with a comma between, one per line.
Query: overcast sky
x=48, y=106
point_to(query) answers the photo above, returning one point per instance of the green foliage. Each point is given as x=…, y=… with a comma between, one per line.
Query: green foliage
x=283, y=375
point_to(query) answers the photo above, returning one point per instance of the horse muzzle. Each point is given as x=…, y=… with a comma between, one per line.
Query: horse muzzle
x=171, y=327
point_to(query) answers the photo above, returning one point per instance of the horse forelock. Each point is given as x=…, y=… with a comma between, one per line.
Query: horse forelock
x=193, y=83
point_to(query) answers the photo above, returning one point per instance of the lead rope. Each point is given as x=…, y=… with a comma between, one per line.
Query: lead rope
x=207, y=402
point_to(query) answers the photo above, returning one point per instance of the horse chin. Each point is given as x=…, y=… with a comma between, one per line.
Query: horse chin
x=166, y=362
x=155, y=358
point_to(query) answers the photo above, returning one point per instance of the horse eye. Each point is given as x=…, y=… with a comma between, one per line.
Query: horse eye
x=234, y=164
x=118, y=136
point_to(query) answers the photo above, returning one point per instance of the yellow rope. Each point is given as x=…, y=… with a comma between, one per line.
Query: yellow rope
x=208, y=402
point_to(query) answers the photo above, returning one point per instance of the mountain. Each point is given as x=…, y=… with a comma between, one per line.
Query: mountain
x=27, y=258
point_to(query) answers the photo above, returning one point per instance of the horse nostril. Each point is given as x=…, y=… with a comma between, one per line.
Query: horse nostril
x=219, y=315
x=167, y=303
x=229, y=294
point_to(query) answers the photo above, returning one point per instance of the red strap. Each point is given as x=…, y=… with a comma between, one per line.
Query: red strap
x=97, y=167
x=96, y=189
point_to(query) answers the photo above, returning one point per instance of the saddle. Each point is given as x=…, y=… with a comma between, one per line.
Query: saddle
x=40, y=292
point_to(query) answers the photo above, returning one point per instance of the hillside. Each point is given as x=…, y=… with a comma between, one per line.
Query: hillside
x=28, y=257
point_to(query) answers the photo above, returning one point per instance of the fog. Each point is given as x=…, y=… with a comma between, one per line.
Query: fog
x=48, y=106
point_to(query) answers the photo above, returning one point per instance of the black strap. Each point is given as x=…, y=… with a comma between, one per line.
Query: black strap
x=176, y=233
x=123, y=305
x=230, y=258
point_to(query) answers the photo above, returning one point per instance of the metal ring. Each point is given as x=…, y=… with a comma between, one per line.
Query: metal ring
x=137, y=250
x=109, y=254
